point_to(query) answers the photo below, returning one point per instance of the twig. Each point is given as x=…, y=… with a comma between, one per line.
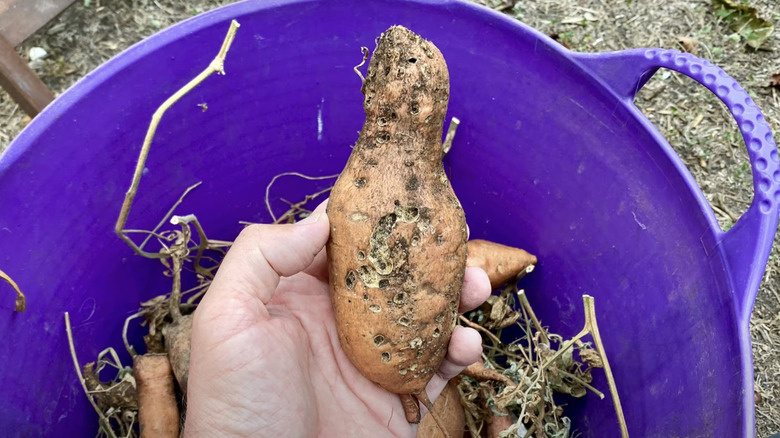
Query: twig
x=480, y=328
x=104, y=422
x=21, y=301
x=300, y=175
x=447, y=145
x=590, y=315
x=527, y=306
x=364, y=51
x=216, y=65
x=592, y=328
x=582, y=382
x=129, y=347
x=168, y=214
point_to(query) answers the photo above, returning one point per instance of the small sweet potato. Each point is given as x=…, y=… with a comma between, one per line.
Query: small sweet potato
x=500, y=262
x=450, y=412
x=397, y=247
x=177, y=337
x=158, y=413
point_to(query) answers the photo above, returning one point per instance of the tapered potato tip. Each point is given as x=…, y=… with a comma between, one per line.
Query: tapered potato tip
x=177, y=344
x=500, y=262
x=450, y=411
x=158, y=413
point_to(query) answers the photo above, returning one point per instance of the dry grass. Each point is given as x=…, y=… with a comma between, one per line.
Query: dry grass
x=692, y=119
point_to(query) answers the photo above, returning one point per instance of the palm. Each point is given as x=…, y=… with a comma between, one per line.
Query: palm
x=290, y=374
x=266, y=359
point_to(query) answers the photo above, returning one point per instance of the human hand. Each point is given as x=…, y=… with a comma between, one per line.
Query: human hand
x=266, y=358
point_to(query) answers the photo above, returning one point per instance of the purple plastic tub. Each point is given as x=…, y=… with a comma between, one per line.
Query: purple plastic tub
x=552, y=156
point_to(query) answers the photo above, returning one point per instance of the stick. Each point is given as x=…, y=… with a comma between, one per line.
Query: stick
x=590, y=315
x=592, y=328
x=216, y=65
x=480, y=328
x=105, y=425
x=524, y=301
x=423, y=398
x=300, y=175
x=21, y=301
x=447, y=145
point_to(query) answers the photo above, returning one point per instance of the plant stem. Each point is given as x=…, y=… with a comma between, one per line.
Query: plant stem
x=590, y=316
x=21, y=301
x=216, y=65
x=447, y=145
x=480, y=328
x=104, y=423
x=524, y=301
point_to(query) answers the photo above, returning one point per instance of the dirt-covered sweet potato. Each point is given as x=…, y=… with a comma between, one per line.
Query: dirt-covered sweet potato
x=397, y=248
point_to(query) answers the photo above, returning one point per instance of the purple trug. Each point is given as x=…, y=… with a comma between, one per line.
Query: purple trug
x=551, y=156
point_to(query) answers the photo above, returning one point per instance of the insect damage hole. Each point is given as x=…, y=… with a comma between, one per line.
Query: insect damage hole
x=412, y=60
x=350, y=280
x=375, y=308
x=399, y=298
x=385, y=357
x=379, y=340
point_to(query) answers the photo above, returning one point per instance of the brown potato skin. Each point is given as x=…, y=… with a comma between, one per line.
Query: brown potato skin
x=450, y=411
x=397, y=247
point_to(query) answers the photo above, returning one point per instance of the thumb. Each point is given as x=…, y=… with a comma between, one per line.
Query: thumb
x=262, y=254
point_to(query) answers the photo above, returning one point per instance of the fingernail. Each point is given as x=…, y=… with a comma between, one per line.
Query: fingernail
x=310, y=219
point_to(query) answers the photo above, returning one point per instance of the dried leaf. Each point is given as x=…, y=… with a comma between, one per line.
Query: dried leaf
x=592, y=357
x=774, y=81
x=745, y=21
x=689, y=45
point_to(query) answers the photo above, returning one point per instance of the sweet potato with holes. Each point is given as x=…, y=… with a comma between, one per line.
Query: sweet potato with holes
x=397, y=247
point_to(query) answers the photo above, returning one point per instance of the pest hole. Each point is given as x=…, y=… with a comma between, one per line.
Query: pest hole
x=385, y=357
x=375, y=308
x=414, y=108
x=382, y=137
x=360, y=182
x=384, y=283
x=436, y=332
x=366, y=297
x=350, y=280
x=404, y=321
x=412, y=60
x=361, y=255
x=379, y=340
x=399, y=298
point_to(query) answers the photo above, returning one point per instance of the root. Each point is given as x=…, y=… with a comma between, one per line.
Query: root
x=423, y=398
x=158, y=414
x=411, y=408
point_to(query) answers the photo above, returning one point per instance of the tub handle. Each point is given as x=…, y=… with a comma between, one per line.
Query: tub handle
x=747, y=244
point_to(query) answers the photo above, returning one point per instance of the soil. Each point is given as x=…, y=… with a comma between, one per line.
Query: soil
x=694, y=121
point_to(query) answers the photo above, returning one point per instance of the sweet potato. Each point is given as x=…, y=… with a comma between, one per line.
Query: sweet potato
x=177, y=337
x=158, y=413
x=397, y=247
x=450, y=411
x=500, y=262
